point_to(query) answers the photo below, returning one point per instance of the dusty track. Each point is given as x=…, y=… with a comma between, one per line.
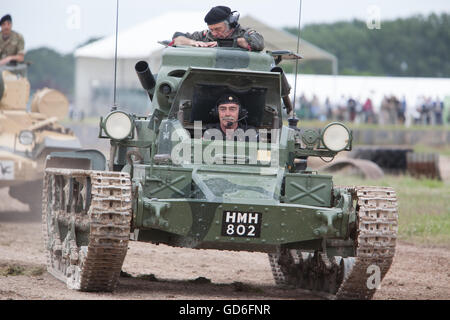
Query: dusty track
x=417, y=272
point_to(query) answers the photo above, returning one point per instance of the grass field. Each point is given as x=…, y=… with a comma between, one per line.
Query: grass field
x=424, y=207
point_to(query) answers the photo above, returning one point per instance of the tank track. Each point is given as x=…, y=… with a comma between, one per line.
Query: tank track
x=351, y=277
x=86, y=224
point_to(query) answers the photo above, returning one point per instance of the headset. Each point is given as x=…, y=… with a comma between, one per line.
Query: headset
x=233, y=19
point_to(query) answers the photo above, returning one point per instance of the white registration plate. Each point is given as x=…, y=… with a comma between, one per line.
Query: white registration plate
x=241, y=224
x=6, y=170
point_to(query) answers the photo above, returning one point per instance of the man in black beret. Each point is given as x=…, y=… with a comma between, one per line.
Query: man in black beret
x=228, y=107
x=232, y=117
x=12, y=45
x=222, y=24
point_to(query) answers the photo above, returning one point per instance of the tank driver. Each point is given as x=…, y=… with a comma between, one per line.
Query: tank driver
x=12, y=45
x=222, y=25
x=230, y=112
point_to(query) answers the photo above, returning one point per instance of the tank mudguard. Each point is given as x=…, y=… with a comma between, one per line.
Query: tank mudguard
x=82, y=159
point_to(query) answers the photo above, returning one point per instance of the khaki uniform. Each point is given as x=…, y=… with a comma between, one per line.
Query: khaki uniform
x=254, y=39
x=12, y=46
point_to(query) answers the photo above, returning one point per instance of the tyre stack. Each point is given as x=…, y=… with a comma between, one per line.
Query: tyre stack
x=424, y=165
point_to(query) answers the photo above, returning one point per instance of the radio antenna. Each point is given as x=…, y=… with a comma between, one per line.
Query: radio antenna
x=296, y=60
x=115, y=57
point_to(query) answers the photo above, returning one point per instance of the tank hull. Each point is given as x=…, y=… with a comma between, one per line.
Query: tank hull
x=200, y=224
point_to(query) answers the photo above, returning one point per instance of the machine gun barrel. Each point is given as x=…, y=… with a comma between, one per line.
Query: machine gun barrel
x=145, y=77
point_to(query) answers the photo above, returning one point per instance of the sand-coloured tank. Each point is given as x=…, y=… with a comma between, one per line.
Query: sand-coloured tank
x=26, y=138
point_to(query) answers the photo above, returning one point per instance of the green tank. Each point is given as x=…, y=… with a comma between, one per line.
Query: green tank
x=167, y=181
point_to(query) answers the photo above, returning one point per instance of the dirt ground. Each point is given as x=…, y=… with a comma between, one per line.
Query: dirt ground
x=162, y=272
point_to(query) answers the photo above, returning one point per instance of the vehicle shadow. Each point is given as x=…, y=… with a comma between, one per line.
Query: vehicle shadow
x=149, y=286
x=20, y=216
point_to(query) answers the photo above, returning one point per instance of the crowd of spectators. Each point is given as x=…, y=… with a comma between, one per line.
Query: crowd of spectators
x=391, y=110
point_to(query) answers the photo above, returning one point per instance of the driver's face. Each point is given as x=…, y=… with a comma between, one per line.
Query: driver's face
x=228, y=112
x=219, y=30
x=6, y=27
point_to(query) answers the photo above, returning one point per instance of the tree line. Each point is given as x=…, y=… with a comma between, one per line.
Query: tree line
x=416, y=46
x=49, y=68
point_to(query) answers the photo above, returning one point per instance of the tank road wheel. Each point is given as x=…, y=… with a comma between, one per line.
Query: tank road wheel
x=324, y=272
x=290, y=268
x=350, y=277
x=86, y=224
x=286, y=267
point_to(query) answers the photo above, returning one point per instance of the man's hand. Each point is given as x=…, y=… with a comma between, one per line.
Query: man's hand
x=5, y=61
x=243, y=43
x=18, y=58
x=184, y=41
x=205, y=44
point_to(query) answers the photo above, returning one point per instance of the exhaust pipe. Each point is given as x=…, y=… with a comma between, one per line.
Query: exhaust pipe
x=285, y=90
x=145, y=77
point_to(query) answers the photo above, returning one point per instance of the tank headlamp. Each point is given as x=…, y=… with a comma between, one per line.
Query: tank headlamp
x=336, y=137
x=118, y=125
x=26, y=137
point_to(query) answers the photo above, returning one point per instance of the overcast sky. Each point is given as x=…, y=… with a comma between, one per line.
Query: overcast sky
x=63, y=24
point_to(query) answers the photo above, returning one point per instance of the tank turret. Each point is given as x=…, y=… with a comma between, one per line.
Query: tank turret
x=14, y=91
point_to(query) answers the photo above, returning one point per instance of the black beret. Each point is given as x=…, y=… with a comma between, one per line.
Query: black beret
x=217, y=14
x=5, y=18
x=228, y=98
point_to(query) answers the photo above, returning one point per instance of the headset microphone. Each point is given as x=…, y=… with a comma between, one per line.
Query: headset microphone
x=230, y=123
